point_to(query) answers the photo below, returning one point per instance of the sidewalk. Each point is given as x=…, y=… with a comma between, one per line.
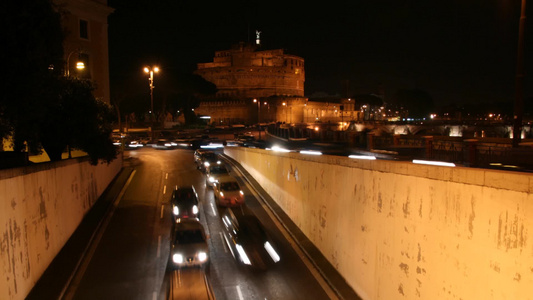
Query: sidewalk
x=53, y=282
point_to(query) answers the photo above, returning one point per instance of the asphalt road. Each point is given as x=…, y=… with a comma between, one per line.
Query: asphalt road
x=129, y=254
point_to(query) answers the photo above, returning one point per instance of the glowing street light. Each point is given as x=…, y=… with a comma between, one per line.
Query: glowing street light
x=80, y=65
x=151, y=80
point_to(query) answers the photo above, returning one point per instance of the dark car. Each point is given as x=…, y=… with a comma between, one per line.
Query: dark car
x=206, y=159
x=247, y=239
x=188, y=246
x=184, y=202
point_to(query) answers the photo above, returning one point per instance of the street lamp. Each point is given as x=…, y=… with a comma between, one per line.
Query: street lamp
x=151, y=81
x=80, y=65
x=519, y=83
x=258, y=116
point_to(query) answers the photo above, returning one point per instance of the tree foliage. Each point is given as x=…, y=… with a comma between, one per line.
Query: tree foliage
x=41, y=108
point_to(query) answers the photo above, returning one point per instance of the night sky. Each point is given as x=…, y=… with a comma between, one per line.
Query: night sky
x=458, y=51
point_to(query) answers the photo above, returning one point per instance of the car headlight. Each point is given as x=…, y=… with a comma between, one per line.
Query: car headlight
x=206, y=164
x=240, y=192
x=218, y=162
x=211, y=179
x=177, y=258
x=221, y=194
x=175, y=210
x=195, y=209
x=202, y=256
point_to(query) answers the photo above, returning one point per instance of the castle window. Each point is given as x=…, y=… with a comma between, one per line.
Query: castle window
x=84, y=29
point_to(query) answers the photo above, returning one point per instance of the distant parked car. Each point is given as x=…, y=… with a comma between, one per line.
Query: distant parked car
x=189, y=245
x=184, y=202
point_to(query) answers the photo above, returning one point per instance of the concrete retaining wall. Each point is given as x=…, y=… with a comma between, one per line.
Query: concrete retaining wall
x=40, y=207
x=397, y=230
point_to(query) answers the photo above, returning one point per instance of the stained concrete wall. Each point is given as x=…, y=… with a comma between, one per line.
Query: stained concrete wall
x=397, y=230
x=40, y=207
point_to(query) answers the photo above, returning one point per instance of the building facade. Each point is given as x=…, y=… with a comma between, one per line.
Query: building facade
x=244, y=71
x=251, y=84
x=86, y=41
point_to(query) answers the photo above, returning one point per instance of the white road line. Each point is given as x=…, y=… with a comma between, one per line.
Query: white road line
x=164, y=189
x=154, y=296
x=214, y=210
x=159, y=247
x=166, y=176
x=223, y=242
x=162, y=210
x=239, y=292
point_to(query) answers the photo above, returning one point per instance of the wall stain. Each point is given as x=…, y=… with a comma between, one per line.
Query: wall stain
x=511, y=231
x=419, y=257
x=471, y=218
x=517, y=277
x=405, y=208
x=405, y=268
x=42, y=204
x=363, y=228
x=322, y=214
x=400, y=289
x=380, y=203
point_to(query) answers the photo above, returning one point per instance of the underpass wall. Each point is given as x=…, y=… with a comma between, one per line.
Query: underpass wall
x=40, y=207
x=398, y=230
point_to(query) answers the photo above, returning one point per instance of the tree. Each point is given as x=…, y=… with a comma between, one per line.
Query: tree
x=418, y=103
x=76, y=119
x=31, y=54
x=41, y=108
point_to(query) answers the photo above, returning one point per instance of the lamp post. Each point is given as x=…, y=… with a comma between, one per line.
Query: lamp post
x=519, y=84
x=258, y=116
x=80, y=65
x=151, y=71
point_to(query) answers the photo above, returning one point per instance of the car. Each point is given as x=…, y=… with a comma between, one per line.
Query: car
x=206, y=159
x=135, y=144
x=184, y=203
x=214, y=172
x=188, y=246
x=162, y=144
x=198, y=156
x=247, y=240
x=228, y=192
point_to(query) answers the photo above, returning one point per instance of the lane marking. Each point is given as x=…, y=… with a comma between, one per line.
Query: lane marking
x=162, y=210
x=154, y=296
x=239, y=293
x=164, y=189
x=166, y=176
x=214, y=210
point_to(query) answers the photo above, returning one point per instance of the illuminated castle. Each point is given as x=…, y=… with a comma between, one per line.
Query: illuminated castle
x=244, y=73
